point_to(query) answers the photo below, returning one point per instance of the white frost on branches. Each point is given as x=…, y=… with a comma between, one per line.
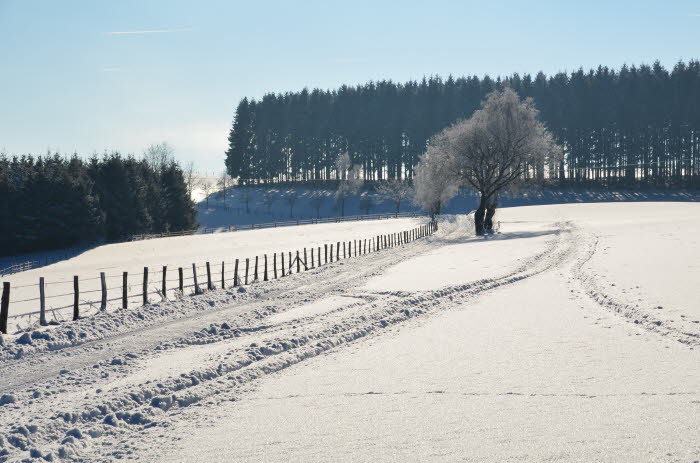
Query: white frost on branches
x=435, y=180
x=349, y=180
x=492, y=149
x=395, y=191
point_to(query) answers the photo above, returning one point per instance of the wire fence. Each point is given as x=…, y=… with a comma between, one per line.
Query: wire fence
x=289, y=223
x=88, y=296
x=50, y=258
x=47, y=260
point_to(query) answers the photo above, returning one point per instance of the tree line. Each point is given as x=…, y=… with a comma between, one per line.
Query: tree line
x=53, y=201
x=626, y=125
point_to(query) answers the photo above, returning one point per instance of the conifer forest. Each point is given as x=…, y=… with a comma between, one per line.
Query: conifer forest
x=632, y=125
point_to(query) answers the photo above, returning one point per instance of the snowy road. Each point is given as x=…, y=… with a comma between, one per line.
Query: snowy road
x=543, y=343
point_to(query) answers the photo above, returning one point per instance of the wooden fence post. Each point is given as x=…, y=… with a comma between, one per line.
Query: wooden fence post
x=76, y=298
x=42, y=302
x=331, y=253
x=164, y=286
x=313, y=262
x=125, y=298
x=298, y=262
x=145, y=285
x=325, y=251
x=103, y=284
x=265, y=271
x=282, y=254
x=209, y=285
x=223, y=278
x=196, y=284
x=337, y=251
x=235, y=274
x=181, y=286
x=255, y=275
x=306, y=267
x=344, y=255
x=4, y=306
x=274, y=265
x=319, y=256
x=247, y=266
x=291, y=263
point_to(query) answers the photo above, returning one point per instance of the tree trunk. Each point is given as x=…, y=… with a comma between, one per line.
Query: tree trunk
x=479, y=216
x=491, y=205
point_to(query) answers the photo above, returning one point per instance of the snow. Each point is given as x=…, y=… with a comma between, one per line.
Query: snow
x=133, y=256
x=315, y=308
x=232, y=210
x=531, y=344
x=459, y=259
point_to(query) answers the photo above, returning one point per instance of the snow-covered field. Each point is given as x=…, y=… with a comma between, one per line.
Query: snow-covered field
x=573, y=335
x=174, y=252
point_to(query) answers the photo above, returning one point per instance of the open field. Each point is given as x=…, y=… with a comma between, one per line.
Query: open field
x=572, y=335
x=183, y=251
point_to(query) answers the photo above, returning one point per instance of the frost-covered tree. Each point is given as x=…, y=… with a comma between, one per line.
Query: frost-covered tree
x=366, y=202
x=316, y=200
x=224, y=183
x=159, y=156
x=435, y=182
x=268, y=200
x=395, y=191
x=495, y=146
x=290, y=198
x=350, y=181
x=246, y=197
x=190, y=177
x=207, y=186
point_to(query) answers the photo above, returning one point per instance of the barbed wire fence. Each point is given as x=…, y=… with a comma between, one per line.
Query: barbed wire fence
x=30, y=264
x=169, y=283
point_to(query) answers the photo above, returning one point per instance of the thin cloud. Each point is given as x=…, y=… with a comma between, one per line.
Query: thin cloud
x=347, y=60
x=695, y=15
x=150, y=31
x=111, y=69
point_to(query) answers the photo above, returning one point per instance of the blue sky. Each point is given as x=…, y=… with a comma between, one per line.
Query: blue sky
x=101, y=75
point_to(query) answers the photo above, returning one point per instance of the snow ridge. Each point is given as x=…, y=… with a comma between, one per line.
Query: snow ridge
x=238, y=348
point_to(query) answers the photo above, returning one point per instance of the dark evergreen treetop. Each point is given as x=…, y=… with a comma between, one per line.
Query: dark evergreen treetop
x=634, y=123
x=52, y=202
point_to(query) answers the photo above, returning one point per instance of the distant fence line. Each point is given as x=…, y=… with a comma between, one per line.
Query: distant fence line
x=289, y=223
x=30, y=264
x=36, y=263
x=244, y=272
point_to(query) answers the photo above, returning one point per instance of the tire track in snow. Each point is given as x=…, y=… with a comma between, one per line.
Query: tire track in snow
x=632, y=312
x=117, y=415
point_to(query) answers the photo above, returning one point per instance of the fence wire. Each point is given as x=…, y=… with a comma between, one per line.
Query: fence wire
x=285, y=265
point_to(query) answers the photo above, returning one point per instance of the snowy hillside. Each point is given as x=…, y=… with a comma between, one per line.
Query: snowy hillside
x=175, y=252
x=573, y=334
x=270, y=203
